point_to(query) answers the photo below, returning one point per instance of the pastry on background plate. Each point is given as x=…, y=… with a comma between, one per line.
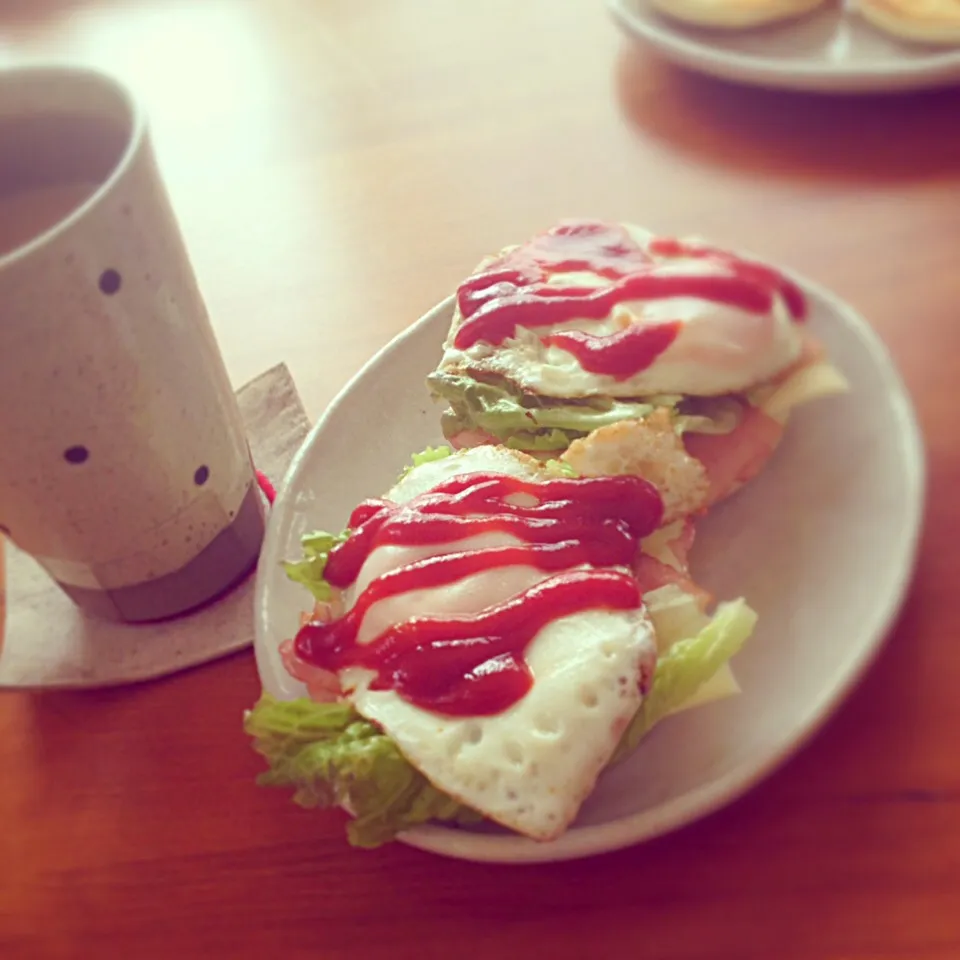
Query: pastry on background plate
x=485, y=640
x=592, y=333
x=734, y=14
x=923, y=21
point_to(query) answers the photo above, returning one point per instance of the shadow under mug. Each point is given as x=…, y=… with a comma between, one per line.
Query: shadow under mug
x=124, y=465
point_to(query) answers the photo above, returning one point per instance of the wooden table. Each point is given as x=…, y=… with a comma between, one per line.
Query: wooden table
x=336, y=167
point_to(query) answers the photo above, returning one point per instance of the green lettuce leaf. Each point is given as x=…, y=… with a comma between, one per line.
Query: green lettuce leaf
x=504, y=412
x=545, y=440
x=309, y=571
x=527, y=421
x=426, y=456
x=559, y=468
x=685, y=666
x=332, y=757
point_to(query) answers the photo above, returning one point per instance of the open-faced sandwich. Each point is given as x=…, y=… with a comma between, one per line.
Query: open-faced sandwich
x=486, y=638
x=609, y=332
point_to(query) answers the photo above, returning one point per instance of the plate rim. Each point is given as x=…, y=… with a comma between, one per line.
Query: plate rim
x=719, y=792
x=941, y=68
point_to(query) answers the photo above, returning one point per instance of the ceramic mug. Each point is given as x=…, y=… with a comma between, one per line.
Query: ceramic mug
x=124, y=465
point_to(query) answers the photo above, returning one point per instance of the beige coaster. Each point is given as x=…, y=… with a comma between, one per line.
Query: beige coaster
x=49, y=642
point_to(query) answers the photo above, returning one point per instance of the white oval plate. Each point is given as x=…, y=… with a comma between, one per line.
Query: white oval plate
x=832, y=50
x=822, y=545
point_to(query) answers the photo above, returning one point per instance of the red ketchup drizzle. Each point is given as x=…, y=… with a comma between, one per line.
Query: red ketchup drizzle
x=514, y=291
x=474, y=665
x=792, y=295
x=620, y=355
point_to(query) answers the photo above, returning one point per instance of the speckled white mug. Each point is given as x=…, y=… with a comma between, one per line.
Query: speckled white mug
x=124, y=465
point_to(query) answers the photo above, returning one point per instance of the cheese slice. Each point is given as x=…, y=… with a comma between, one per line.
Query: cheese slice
x=531, y=766
x=805, y=385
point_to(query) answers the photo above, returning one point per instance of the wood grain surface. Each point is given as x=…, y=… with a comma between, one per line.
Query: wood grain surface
x=336, y=166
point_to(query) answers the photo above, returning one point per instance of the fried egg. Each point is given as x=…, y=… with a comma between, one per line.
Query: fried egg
x=718, y=349
x=530, y=767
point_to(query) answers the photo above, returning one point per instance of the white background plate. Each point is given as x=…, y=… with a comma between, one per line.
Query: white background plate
x=832, y=50
x=822, y=545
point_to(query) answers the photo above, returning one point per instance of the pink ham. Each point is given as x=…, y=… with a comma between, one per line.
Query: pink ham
x=471, y=438
x=322, y=685
x=731, y=459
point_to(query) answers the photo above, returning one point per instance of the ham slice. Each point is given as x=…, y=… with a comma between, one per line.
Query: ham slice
x=322, y=685
x=466, y=439
x=732, y=459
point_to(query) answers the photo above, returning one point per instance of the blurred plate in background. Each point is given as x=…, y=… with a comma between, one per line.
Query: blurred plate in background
x=832, y=50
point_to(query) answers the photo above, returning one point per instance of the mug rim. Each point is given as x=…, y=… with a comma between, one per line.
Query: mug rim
x=134, y=140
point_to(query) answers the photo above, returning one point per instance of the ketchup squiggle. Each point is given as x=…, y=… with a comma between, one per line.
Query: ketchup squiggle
x=579, y=530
